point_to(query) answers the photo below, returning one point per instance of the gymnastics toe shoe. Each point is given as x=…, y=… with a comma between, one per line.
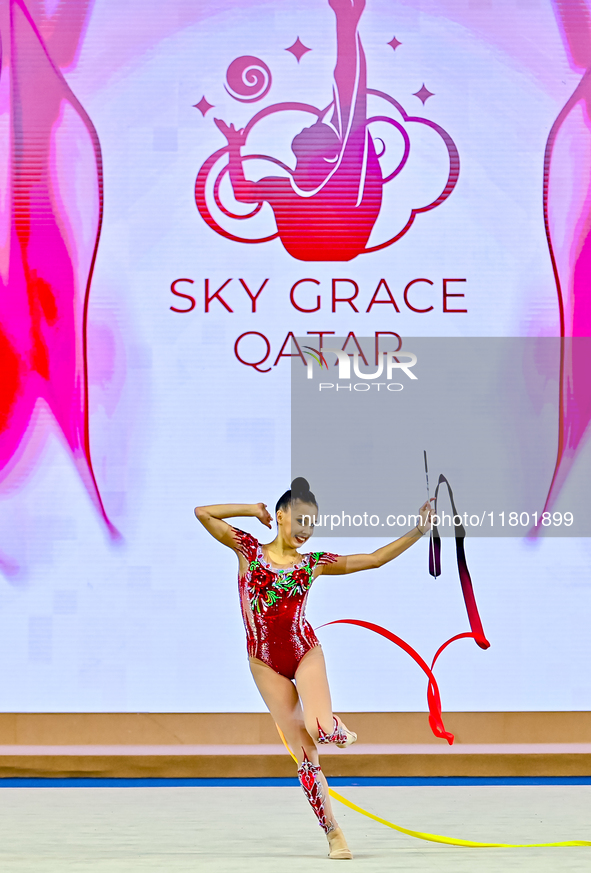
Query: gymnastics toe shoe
x=339, y=850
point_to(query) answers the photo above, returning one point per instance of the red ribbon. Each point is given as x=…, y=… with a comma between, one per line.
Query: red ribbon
x=465, y=579
x=476, y=633
x=433, y=696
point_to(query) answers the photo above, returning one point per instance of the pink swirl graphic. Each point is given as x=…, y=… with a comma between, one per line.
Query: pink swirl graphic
x=248, y=79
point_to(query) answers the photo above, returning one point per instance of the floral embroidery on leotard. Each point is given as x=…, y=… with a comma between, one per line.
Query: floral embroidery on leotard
x=267, y=586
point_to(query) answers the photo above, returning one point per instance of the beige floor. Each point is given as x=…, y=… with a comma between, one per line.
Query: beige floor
x=222, y=830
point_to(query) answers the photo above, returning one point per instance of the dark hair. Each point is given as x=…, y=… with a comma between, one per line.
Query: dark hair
x=300, y=490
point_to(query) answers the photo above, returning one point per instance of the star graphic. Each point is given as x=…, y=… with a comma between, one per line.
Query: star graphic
x=203, y=106
x=423, y=94
x=394, y=43
x=298, y=49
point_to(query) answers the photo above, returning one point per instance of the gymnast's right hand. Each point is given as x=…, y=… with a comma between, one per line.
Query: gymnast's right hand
x=263, y=514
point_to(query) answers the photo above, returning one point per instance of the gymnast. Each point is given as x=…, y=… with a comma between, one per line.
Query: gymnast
x=274, y=580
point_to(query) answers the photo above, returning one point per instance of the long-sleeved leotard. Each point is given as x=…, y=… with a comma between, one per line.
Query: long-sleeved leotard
x=273, y=603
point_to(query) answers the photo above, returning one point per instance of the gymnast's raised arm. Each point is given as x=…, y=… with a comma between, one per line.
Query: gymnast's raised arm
x=212, y=518
x=354, y=563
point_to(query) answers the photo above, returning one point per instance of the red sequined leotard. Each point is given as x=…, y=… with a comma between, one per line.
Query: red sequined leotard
x=273, y=605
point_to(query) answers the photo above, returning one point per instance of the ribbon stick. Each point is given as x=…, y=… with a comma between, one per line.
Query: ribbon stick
x=436, y=838
x=431, y=553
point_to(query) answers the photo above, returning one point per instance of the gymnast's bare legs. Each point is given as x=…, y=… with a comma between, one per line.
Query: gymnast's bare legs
x=298, y=711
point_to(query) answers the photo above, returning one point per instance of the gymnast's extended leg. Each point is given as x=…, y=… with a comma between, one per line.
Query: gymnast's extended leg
x=312, y=685
x=282, y=701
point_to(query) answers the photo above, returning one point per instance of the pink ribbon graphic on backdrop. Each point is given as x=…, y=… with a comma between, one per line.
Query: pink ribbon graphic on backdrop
x=51, y=203
x=567, y=220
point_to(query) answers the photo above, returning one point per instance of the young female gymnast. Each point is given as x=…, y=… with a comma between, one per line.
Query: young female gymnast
x=274, y=580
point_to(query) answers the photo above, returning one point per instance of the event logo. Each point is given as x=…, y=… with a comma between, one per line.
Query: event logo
x=326, y=207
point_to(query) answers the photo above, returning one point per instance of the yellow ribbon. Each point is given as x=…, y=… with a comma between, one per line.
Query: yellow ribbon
x=436, y=838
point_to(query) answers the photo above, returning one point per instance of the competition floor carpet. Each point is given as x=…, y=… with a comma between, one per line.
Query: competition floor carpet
x=269, y=827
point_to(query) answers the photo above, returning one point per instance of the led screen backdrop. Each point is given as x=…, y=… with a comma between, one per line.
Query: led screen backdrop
x=185, y=189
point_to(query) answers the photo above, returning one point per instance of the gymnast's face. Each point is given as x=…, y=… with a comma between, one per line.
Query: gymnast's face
x=297, y=522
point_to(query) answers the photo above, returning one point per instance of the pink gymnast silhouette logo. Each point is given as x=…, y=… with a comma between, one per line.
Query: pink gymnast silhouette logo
x=326, y=207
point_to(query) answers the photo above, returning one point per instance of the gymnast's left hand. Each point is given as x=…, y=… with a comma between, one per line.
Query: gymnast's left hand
x=426, y=513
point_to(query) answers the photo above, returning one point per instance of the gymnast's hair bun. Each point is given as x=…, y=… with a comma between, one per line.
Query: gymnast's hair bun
x=300, y=490
x=300, y=487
